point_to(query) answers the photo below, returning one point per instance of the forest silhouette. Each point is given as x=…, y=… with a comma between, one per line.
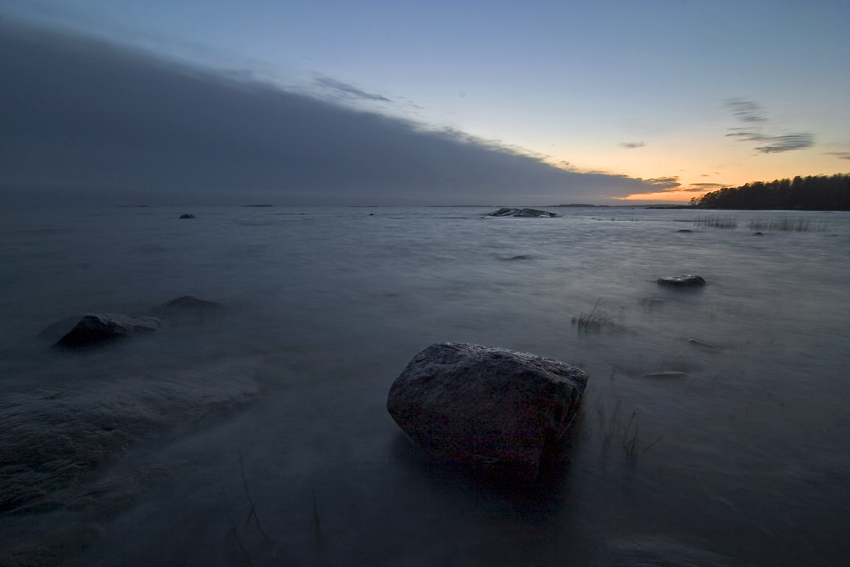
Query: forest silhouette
x=812, y=193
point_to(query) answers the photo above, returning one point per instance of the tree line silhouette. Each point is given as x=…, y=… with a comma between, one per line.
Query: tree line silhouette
x=813, y=193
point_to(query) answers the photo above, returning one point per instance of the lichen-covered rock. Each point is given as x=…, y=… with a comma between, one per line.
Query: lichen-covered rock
x=687, y=280
x=98, y=328
x=486, y=406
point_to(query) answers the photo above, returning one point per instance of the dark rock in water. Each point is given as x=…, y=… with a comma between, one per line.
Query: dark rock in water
x=682, y=281
x=97, y=328
x=509, y=212
x=685, y=230
x=758, y=234
x=190, y=309
x=485, y=406
x=60, y=328
x=187, y=216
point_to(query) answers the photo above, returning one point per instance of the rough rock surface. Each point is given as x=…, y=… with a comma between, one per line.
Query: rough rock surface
x=687, y=280
x=97, y=328
x=486, y=406
x=509, y=212
x=55, y=439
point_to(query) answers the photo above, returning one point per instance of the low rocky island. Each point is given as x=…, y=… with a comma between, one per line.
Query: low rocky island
x=528, y=213
x=686, y=280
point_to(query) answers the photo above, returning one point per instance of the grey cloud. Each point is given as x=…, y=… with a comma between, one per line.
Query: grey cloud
x=632, y=145
x=746, y=110
x=704, y=186
x=347, y=90
x=753, y=115
x=839, y=155
x=664, y=183
x=776, y=144
x=88, y=123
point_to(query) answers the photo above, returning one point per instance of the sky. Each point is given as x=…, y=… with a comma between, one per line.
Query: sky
x=407, y=103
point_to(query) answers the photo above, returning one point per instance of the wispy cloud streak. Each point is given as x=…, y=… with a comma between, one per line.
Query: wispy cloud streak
x=776, y=144
x=755, y=119
x=746, y=110
x=347, y=90
x=664, y=183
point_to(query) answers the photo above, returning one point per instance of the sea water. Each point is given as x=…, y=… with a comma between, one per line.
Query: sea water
x=715, y=429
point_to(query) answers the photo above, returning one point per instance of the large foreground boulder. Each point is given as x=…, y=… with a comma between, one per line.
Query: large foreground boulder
x=97, y=328
x=486, y=406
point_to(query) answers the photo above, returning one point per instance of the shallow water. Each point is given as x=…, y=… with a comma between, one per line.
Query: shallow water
x=731, y=450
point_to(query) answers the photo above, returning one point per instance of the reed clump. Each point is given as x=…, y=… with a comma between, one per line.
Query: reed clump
x=794, y=225
x=716, y=222
x=595, y=321
x=612, y=432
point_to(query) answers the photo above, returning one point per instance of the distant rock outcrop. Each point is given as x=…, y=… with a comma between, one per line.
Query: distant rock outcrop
x=98, y=328
x=532, y=213
x=187, y=216
x=688, y=280
x=190, y=309
x=486, y=406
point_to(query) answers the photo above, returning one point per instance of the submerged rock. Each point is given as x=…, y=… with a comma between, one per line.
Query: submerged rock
x=97, y=328
x=190, y=309
x=665, y=375
x=511, y=212
x=60, y=328
x=52, y=442
x=701, y=344
x=486, y=406
x=688, y=280
x=660, y=551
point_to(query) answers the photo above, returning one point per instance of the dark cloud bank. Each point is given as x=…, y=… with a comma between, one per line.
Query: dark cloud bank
x=84, y=122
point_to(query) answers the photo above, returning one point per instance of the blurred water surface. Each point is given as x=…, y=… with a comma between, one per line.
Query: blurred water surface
x=734, y=453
